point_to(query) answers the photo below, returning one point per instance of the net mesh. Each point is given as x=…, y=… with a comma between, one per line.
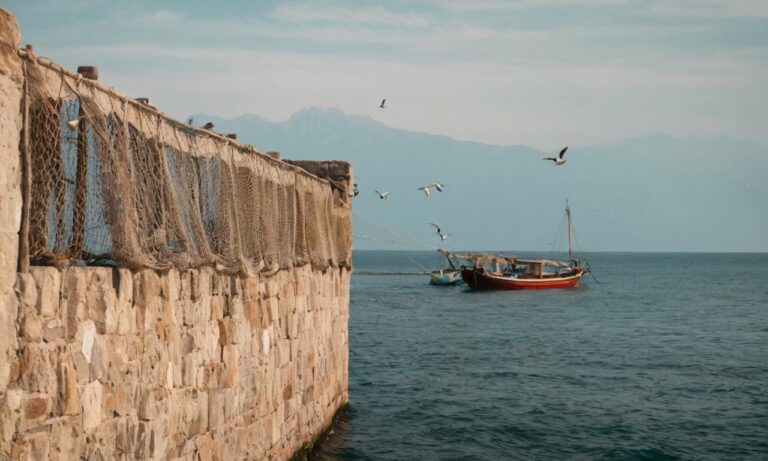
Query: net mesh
x=114, y=180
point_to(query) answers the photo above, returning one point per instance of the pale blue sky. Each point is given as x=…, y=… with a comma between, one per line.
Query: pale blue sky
x=544, y=73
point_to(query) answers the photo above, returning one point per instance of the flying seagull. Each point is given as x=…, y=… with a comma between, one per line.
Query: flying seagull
x=559, y=160
x=382, y=103
x=440, y=232
x=355, y=191
x=383, y=195
x=437, y=186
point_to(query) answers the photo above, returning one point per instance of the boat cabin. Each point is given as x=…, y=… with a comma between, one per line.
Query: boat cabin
x=542, y=268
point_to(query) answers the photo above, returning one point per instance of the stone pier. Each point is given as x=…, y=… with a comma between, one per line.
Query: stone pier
x=116, y=363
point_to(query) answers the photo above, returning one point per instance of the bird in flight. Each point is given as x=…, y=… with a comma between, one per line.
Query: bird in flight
x=383, y=195
x=437, y=186
x=382, y=103
x=355, y=191
x=559, y=160
x=427, y=189
x=440, y=232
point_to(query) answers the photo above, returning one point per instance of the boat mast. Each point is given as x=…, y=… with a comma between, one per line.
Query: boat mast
x=568, y=215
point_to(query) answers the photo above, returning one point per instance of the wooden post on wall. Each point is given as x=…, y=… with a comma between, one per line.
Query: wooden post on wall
x=26, y=175
x=81, y=175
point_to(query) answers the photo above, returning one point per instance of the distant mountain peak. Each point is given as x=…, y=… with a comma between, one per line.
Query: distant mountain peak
x=315, y=111
x=329, y=114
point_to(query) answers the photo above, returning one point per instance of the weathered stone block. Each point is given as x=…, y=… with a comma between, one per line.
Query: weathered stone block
x=53, y=331
x=172, y=285
x=35, y=446
x=231, y=356
x=32, y=326
x=125, y=436
x=9, y=414
x=73, y=304
x=252, y=310
x=204, y=446
x=216, y=419
x=67, y=438
x=101, y=299
x=147, y=406
x=9, y=365
x=37, y=369
x=217, y=307
x=36, y=407
x=86, y=337
x=26, y=292
x=123, y=397
x=146, y=287
x=69, y=400
x=143, y=448
x=92, y=414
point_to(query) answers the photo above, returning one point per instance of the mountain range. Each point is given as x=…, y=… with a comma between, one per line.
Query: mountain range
x=650, y=193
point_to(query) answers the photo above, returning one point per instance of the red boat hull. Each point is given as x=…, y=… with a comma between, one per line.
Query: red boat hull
x=481, y=280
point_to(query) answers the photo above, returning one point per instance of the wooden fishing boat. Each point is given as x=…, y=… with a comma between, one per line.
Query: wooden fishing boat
x=519, y=274
x=498, y=272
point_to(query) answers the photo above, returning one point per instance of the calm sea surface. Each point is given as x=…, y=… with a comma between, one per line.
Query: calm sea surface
x=665, y=358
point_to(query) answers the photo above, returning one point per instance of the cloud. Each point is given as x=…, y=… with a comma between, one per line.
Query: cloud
x=459, y=75
x=722, y=8
x=516, y=103
x=502, y=5
x=377, y=16
x=710, y=8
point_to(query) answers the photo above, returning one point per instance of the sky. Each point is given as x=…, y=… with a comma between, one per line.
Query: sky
x=540, y=72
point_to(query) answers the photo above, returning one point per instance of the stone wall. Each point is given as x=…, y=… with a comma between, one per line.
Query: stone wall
x=193, y=365
x=109, y=363
x=10, y=192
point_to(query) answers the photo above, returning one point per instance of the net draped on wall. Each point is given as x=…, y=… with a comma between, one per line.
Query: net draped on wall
x=114, y=180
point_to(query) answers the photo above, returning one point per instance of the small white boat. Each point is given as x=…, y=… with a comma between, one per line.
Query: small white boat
x=445, y=277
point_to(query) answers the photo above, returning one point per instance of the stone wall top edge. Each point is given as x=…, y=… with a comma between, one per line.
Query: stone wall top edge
x=333, y=169
x=38, y=267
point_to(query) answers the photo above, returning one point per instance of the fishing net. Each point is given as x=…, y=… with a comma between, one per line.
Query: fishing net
x=114, y=180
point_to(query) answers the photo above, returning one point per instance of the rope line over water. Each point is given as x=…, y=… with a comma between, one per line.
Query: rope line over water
x=394, y=233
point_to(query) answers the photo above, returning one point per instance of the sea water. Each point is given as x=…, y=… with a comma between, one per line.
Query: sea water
x=656, y=357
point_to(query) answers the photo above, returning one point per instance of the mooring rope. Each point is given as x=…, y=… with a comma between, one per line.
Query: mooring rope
x=396, y=233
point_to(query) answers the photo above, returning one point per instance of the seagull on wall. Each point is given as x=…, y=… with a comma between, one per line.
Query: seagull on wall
x=208, y=126
x=559, y=160
x=383, y=101
x=383, y=195
x=355, y=191
x=440, y=232
x=74, y=124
